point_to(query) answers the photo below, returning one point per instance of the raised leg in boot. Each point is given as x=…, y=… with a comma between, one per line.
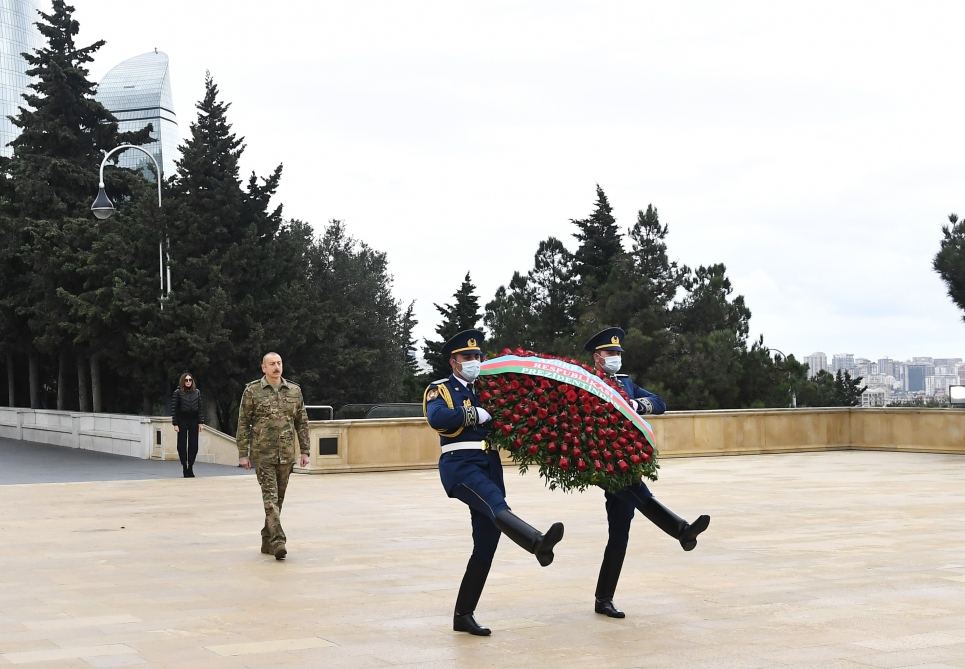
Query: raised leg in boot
x=686, y=533
x=528, y=537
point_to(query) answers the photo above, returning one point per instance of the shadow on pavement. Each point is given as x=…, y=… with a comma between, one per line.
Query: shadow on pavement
x=32, y=462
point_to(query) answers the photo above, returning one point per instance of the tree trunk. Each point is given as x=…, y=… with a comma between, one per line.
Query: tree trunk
x=83, y=387
x=211, y=412
x=95, y=383
x=11, y=382
x=33, y=377
x=62, y=380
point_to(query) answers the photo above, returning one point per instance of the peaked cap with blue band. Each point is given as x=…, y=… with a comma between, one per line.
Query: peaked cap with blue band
x=610, y=339
x=467, y=341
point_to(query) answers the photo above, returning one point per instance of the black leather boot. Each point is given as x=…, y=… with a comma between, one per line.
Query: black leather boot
x=473, y=582
x=673, y=524
x=606, y=584
x=528, y=537
x=466, y=623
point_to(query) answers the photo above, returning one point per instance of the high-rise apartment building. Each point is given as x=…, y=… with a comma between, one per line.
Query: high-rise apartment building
x=843, y=362
x=138, y=92
x=816, y=362
x=915, y=377
x=17, y=35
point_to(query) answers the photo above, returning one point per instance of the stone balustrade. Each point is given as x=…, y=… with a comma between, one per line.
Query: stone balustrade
x=408, y=443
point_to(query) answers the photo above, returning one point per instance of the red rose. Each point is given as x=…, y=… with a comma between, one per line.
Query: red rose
x=622, y=464
x=507, y=429
x=564, y=463
x=589, y=429
x=581, y=465
x=571, y=396
x=597, y=465
x=485, y=395
x=517, y=443
x=516, y=418
x=501, y=402
x=609, y=468
x=551, y=447
x=594, y=453
x=607, y=455
x=533, y=449
x=542, y=413
x=635, y=459
x=645, y=457
x=552, y=420
x=564, y=448
x=618, y=453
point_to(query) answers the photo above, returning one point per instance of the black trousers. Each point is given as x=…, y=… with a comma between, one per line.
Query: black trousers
x=187, y=443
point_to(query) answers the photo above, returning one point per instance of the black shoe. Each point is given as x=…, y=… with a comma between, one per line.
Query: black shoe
x=606, y=607
x=688, y=541
x=466, y=623
x=189, y=473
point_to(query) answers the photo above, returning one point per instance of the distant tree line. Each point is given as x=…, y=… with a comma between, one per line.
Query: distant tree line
x=82, y=324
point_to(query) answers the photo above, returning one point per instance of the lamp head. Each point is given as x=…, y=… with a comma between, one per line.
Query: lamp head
x=102, y=206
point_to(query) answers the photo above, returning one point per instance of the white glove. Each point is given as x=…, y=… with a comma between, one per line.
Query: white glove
x=484, y=416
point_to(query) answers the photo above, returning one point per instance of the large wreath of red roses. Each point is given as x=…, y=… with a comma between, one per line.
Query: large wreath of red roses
x=575, y=438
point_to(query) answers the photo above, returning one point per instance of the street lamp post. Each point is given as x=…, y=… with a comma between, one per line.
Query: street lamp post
x=102, y=208
x=793, y=395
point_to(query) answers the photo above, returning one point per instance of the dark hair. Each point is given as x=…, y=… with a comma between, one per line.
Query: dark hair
x=194, y=383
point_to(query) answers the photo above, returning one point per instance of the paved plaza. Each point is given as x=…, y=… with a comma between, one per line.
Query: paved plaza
x=838, y=559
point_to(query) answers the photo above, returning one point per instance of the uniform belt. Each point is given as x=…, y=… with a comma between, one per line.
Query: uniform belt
x=466, y=445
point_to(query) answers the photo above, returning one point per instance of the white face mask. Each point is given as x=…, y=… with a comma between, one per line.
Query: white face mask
x=470, y=370
x=612, y=364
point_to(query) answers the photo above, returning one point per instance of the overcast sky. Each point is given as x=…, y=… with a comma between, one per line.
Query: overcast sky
x=816, y=149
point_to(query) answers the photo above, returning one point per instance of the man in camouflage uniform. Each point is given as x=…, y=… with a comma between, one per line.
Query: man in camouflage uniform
x=272, y=429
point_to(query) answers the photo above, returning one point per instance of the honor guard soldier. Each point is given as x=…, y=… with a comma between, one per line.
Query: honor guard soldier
x=471, y=472
x=620, y=506
x=272, y=435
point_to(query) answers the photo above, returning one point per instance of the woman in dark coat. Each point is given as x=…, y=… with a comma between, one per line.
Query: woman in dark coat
x=187, y=415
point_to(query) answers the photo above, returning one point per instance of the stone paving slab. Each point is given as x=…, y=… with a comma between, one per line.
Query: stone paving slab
x=843, y=559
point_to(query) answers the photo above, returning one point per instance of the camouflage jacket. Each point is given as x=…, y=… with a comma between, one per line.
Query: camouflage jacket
x=272, y=424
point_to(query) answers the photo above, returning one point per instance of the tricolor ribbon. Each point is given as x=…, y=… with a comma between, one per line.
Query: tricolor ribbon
x=565, y=372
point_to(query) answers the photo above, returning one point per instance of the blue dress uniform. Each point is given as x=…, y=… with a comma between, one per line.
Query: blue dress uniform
x=620, y=506
x=471, y=472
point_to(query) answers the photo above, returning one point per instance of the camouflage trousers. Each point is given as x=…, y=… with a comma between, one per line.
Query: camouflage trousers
x=273, y=479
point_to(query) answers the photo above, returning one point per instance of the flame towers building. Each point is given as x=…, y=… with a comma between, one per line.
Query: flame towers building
x=17, y=35
x=138, y=92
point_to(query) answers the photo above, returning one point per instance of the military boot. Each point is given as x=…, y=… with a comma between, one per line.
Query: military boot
x=470, y=590
x=528, y=537
x=265, y=543
x=686, y=533
x=606, y=584
x=279, y=550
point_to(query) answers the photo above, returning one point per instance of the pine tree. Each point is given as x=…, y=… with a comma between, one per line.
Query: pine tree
x=702, y=368
x=462, y=314
x=49, y=179
x=356, y=324
x=599, y=239
x=949, y=262
x=510, y=316
x=413, y=380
